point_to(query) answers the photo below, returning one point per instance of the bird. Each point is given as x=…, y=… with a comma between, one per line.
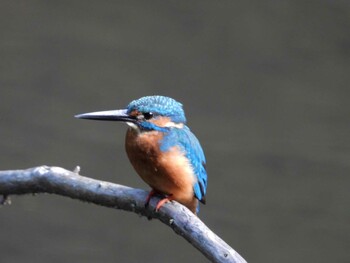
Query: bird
x=162, y=149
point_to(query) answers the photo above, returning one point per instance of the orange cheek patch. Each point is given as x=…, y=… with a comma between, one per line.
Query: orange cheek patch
x=134, y=113
x=160, y=121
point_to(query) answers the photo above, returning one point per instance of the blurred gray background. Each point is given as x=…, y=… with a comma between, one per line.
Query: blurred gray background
x=265, y=85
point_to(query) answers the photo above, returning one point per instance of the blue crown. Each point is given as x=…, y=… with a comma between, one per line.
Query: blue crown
x=160, y=105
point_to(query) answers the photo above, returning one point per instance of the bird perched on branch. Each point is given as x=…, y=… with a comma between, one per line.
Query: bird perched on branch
x=162, y=149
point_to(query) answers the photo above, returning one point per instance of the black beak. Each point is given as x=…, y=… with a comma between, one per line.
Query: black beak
x=111, y=115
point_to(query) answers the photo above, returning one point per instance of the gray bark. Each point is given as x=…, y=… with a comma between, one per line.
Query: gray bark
x=56, y=180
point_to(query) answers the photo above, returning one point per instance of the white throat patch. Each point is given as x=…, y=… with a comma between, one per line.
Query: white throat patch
x=133, y=125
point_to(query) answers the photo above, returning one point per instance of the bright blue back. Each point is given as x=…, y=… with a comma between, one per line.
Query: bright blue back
x=190, y=145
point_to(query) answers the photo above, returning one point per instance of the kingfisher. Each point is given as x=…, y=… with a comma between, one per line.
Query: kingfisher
x=162, y=149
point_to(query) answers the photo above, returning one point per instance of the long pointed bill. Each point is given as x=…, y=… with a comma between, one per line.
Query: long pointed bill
x=111, y=115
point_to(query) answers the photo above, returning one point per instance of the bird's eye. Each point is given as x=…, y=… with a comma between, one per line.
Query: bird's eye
x=148, y=115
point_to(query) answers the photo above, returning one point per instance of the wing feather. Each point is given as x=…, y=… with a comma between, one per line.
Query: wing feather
x=192, y=149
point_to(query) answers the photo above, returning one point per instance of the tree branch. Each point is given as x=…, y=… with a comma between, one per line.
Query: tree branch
x=56, y=180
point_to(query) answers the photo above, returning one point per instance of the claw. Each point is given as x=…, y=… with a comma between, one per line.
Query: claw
x=149, y=196
x=163, y=201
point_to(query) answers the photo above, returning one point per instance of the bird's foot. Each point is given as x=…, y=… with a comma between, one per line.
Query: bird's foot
x=163, y=201
x=149, y=196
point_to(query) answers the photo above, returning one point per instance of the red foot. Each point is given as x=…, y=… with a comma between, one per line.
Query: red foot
x=163, y=201
x=160, y=203
x=149, y=196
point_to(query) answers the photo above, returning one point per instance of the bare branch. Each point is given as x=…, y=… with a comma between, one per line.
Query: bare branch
x=56, y=180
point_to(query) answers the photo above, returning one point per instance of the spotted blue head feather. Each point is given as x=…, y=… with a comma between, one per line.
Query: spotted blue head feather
x=159, y=105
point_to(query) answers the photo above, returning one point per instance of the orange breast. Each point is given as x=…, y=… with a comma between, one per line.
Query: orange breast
x=166, y=172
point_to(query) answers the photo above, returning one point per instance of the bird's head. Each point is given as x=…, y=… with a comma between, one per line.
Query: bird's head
x=145, y=114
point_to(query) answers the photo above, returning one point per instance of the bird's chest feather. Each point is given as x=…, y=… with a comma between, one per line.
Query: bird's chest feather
x=166, y=171
x=143, y=148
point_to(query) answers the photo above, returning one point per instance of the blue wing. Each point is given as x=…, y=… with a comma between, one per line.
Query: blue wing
x=191, y=147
